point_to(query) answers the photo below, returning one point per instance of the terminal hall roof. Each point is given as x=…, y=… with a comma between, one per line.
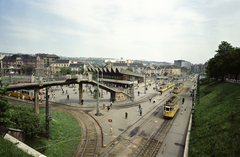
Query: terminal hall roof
x=114, y=71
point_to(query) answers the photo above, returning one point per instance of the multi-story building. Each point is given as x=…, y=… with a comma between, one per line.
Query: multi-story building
x=77, y=67
x=48, y=58
x=58, y=64
x=182, y=63
x=199, y=68
x=17, y=60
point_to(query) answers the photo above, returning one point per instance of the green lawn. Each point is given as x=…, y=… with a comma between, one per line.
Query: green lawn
x=217, y=118
x=65, y=135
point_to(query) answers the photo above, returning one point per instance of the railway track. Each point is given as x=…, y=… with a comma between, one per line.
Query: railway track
x=121, y=143
x=91, y=141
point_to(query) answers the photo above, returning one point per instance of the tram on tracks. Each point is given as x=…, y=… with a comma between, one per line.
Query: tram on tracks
x=28, y=94
x=171, y=107
x=178, y=88
x=164, y=87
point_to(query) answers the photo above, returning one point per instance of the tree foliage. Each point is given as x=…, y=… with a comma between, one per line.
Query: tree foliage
x=27, y=121
x=225, y=62
x=65, y=70
x=6, y=109
x=130, y=69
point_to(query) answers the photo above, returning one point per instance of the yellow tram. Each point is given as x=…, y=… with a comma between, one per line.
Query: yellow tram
x=170, y=85
x=28, y=94
x=178, y=88
x=163, y=88
x=171, y=107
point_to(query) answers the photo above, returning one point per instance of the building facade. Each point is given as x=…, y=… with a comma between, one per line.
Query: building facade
x=182, y=63
x=58, y=64
x=16, y=61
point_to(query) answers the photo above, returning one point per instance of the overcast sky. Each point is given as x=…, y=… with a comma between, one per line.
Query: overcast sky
x=156, y=30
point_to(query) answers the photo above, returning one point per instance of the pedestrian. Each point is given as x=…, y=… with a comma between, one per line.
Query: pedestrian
x=103, y=106
x=150, y=99
x=182, y=100
x=111, y=104
x=67, y=97
x=139, y=106
x=82, y=102
x=66, y=91
x=108, y=108
x=141, y=112
x=138, y=93
x=154, y=100
x=126, y=115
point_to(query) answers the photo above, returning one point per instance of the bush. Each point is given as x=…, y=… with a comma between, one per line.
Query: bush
x=27, y=121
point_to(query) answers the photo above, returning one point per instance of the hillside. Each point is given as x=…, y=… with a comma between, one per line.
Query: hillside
x=217, y=121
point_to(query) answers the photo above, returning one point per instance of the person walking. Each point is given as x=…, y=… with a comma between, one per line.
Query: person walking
x=139, y=106
x=66, y=91
x=154, y=100
x=67, y=97
x=103, y=106
x=138, y=93
x=111, y=104
x=140, y=111
x=108, y=108
x=82, y=102
x=150, y=99
x=183, y=100
x=126, y=115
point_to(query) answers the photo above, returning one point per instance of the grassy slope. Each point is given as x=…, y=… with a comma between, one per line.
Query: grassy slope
x=217, y=117
x=8, y=149
x=65, y=135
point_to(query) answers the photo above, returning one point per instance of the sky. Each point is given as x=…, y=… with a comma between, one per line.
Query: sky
x=151, y=30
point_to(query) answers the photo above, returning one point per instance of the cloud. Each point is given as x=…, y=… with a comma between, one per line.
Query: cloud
x=153, y=30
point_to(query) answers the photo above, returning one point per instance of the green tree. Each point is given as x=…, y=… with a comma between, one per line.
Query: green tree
x=130, y=69
x=30, y=69
x=81, y=70
x=234, y=58
x=23, y=68
x=68, y=70
x=219, y=66
x=56, y=74
x=165, y=74
x=6, y=109
x=27, y=121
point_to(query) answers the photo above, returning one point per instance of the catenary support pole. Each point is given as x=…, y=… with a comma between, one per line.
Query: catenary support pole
x=47, y=114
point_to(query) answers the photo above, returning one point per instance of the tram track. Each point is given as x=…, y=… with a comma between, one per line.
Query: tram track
x=119, y=144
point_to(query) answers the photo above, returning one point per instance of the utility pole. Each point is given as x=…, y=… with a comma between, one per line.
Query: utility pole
x=133, y=89
x=145, y=83
x=98, y=111
x=102, y=83
x=47, y=114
